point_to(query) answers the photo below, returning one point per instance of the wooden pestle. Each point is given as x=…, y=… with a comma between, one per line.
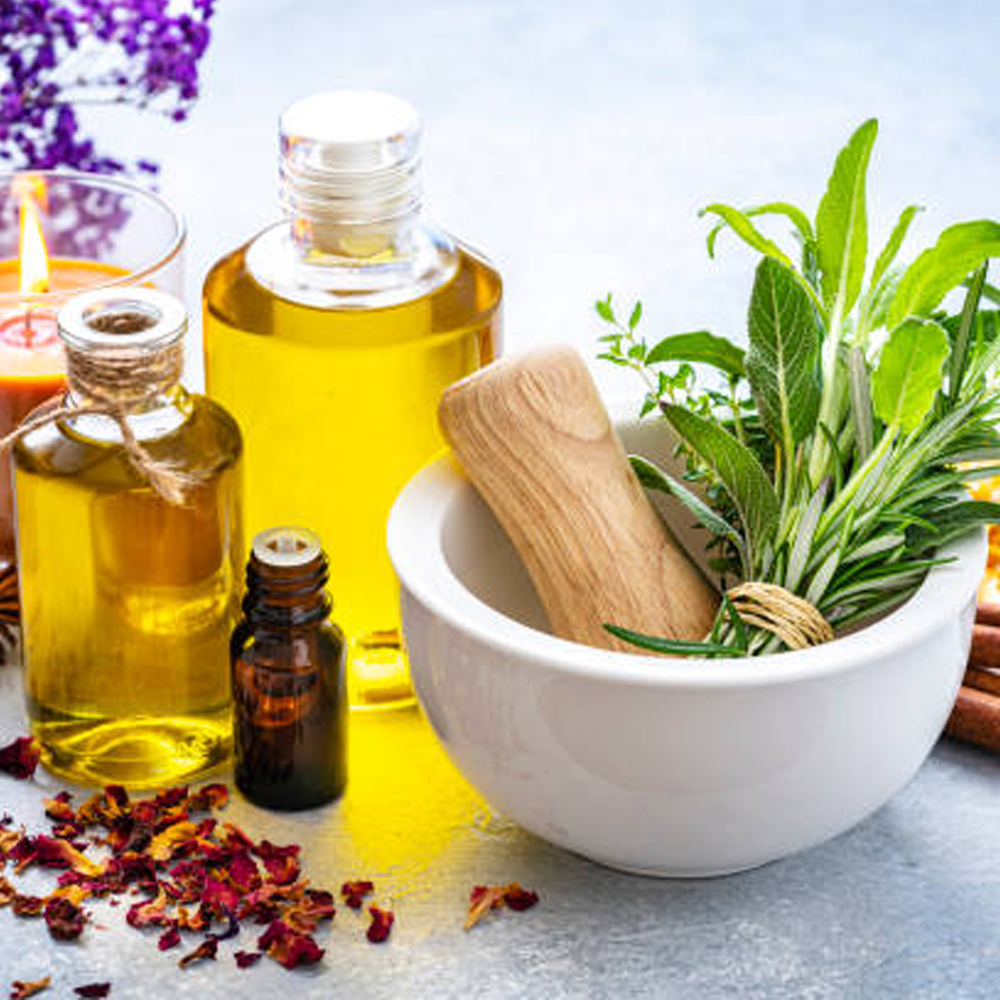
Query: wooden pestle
x=534, y=437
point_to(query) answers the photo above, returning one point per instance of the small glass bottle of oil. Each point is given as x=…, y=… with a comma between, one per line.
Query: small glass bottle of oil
x=128, y=597
x=289, y=686
x=331, y=336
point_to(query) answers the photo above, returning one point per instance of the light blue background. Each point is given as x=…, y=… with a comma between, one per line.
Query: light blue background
x=574, y=142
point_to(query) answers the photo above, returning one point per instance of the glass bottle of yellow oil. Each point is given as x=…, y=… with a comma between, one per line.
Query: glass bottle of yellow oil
x=331, y=336
x=129, y=592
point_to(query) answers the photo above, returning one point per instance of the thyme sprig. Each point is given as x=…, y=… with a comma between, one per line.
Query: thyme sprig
x=833, y=463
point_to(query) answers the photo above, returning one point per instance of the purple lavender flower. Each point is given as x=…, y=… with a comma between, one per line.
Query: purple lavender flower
x=56, y=55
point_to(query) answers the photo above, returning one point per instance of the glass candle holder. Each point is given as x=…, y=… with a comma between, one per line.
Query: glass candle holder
x=61, y=233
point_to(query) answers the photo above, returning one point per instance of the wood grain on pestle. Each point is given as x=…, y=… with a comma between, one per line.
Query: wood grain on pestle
x=536, y=441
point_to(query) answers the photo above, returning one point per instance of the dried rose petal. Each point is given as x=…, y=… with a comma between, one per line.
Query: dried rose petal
x=482, y=899
x=234, y=837
x=196, y=921
x=28, y=906
x=151, y=912
x=93, y=990
x=381, y=925
x=244, y=959
x=519, y=899
x=9, y=839
x=76, y=894
x=7, y=892
x=305, y=915
x=116, y=797
x=59, y=808
x=54, y=853
x=64, y=919
x=282, y=863
x=164, y=845
x=288, y=948
x=20, y=758
x=21, y=990
x=170, y=938
x=219, y=897
x=243, y=871
x=207, y=949
x=354, y=893
x=208, y=797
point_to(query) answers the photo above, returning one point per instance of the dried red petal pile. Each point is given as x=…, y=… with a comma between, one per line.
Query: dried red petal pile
x=193, y=874
x=20, y=758
x=485, y=898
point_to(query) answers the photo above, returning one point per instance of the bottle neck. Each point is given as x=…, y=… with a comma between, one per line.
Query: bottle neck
x=280, y=598
x=136, y=381
x=351, y=219
x=353, y=244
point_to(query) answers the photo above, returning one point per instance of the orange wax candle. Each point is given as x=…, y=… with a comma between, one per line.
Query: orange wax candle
x=31, y=359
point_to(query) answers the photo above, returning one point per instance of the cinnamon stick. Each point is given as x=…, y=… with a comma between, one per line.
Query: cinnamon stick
x=982, y=680
x=988, y=613
x=976, y=718
x=985, y=650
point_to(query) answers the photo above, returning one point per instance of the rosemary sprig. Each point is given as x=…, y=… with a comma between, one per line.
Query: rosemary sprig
x=830, y=460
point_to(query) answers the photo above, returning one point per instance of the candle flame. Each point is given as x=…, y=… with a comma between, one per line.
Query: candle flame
x=34, y=258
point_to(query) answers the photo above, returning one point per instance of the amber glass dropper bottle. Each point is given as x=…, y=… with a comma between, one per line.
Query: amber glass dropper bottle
x=289, y=690
x=331, y=337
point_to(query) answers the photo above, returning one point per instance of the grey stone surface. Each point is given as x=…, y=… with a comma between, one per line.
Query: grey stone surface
x=905, y=905
x=574, y=141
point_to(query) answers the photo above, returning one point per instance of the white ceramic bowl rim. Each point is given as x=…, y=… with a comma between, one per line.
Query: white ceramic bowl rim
x=415, y=537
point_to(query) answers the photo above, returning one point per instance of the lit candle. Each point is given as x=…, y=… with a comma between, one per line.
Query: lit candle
x=31, y=360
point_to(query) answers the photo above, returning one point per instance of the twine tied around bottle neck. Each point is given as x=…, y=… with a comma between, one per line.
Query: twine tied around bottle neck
x=109, y=385
x=794, y=620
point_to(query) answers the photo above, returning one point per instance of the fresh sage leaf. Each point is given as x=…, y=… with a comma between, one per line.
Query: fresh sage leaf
x=881, y=299
x=842, y=223
x=737, y=467
x=958, y=252
x=654, y=478
x=796, y=216
x=782, y=360
x=746, y=230
x=909, y=373
x=891, y=249
x=699, y=346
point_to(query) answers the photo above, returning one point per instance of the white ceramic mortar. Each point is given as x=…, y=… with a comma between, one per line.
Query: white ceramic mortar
x=664, y=767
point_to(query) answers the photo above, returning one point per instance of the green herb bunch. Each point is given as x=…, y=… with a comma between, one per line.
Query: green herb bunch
x=832, y=462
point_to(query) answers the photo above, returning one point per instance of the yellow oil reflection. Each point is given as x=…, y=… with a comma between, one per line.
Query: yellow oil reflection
x=405, y=804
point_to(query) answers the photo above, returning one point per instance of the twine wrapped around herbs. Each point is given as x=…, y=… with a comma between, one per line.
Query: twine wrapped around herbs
x=796, y=622
x=106, y=384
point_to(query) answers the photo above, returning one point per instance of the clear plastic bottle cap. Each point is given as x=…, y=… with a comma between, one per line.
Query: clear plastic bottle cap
x=350, y=157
